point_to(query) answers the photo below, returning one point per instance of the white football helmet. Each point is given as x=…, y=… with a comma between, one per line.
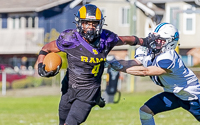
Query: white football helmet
x=169, y=34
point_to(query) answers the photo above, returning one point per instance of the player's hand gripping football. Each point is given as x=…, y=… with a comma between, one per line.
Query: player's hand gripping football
x=43, y=73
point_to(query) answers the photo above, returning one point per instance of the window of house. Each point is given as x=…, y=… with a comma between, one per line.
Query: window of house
x=26, y=22
x=189, y=20
x=175, y=16
x=125, y=18
x=16, y=22
x=173, y=13
x=20, y=21
x=0, y=22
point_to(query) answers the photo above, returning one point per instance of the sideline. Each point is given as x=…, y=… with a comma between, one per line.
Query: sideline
x=37, y=91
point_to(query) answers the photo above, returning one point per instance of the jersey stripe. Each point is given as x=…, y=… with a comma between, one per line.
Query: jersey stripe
x=156, y=80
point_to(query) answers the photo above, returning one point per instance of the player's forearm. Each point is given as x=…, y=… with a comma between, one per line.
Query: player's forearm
x=130, y=40
x=49, y=47
x=123, y=65
x=137, y=71
x=40, y=58
x=147, y=71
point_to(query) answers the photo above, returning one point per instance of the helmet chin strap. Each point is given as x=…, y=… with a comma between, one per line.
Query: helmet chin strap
x=90, y=35
x=167, y=46
x=156, y=51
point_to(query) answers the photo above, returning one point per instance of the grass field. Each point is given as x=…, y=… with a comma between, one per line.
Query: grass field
x=43, y=110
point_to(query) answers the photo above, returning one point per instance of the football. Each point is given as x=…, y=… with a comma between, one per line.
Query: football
x=51, y=61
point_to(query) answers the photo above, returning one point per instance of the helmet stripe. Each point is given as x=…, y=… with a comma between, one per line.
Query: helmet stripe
x=159, y=26
x=82, y=12
x=98, y=14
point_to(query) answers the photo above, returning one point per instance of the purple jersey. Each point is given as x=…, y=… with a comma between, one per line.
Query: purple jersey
x=85, y=62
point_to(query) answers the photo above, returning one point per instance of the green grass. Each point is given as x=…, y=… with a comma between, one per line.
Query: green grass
x=43, y=110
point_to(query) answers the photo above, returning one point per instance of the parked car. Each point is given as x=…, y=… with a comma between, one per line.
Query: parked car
x=11, y=74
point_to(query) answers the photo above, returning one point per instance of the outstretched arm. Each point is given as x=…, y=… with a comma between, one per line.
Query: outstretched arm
x=130, y=40
x=134, y=40
x=134, y=67
x=123, y=65
x=146, y=71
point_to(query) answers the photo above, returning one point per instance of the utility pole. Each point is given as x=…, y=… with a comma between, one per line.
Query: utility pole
x=131, y=50
x=3, y=83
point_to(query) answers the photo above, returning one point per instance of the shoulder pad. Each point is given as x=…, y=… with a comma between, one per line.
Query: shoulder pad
x=68, y=35
x=141, y=51
x=67, y=40
x=165, y=60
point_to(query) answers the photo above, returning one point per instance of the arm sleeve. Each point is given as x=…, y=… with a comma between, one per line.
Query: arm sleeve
x=165, y=64
x=166, y=60
x=111, y=39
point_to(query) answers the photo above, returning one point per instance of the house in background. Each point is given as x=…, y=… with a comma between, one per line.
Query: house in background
x=118, y=19
x=26, y=25
x=139, y=17
x=117, y=15
x=184, y=14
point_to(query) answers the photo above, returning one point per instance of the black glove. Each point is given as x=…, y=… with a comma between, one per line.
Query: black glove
x=106, y=64
x=43, y=73
x=101, y=103
x=150, y=39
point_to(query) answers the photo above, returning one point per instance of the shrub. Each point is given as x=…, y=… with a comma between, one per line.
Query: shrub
x=23, y=83
x=37, y=81
x=47, y=81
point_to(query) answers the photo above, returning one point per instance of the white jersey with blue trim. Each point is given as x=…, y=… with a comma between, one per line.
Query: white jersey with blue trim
x=181, y=81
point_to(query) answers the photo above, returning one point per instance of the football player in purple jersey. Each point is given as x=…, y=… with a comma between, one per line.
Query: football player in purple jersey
x=166, y=69
x=87, y=47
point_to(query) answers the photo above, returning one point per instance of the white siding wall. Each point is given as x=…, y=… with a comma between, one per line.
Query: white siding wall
x=113, y=10
x=188, y=38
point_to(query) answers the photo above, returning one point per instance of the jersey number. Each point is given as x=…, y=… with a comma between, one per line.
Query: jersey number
x=95, y=70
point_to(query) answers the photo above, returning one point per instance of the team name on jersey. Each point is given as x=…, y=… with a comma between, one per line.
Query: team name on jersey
x=92, y=60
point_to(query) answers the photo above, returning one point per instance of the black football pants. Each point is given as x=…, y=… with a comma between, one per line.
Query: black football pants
x=75, y=105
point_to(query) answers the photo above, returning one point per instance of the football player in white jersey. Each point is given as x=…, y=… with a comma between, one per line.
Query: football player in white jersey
x=164, y=66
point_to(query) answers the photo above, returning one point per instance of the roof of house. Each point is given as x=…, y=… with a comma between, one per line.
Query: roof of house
x=28, y=5
x=158, y=10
